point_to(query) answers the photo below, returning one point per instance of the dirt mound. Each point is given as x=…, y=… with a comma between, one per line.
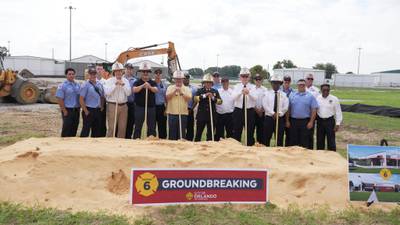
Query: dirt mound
x=93, y=174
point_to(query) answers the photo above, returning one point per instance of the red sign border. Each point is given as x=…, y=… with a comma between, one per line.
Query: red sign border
x=189, y=203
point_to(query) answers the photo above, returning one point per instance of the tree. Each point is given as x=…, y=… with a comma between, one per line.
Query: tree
x=328, y=67
x=349, y=72
x=287, y=63
x=231, y=71
x=196, y=72
x=258, y=69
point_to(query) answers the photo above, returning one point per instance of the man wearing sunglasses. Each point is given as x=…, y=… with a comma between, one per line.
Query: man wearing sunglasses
x=244, y=91
x=301, y=115
x=315, y=92
x=161, y=118
x=287, y=80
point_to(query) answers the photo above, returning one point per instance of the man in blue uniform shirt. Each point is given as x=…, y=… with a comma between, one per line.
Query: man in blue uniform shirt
x=131, y=101
x=161, y=118
x=191, y=106
x=301, y=116
x=68, y=100
x=216, y=81
x=91, y=100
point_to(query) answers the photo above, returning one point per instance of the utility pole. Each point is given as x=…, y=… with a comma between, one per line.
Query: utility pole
x=217, y=61
x=105, y=51
x=359, y=56
x=70, y=32
x=52, y=53
x=9, y=53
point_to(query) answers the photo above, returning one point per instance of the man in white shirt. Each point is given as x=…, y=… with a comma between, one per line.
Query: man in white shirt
x=117, y=90
x=329, y=118
x=224, y=111
x=259, y=120
x=244, y=91
x=273, y=110
x=315, y=92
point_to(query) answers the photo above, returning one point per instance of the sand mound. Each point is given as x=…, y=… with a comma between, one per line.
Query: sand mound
x=93, y=174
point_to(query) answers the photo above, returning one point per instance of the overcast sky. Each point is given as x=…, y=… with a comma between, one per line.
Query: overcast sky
x=244, y=33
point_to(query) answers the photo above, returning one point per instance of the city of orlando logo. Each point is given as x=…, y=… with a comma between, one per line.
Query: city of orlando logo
x=146, y=184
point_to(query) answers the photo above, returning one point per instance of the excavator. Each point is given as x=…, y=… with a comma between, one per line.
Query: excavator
x=173, y=60
x=14, y=85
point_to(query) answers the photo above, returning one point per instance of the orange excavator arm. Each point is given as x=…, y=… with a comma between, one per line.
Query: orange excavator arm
x=173, y=61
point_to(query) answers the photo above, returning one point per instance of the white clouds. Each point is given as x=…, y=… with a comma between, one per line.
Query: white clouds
x=242, y=32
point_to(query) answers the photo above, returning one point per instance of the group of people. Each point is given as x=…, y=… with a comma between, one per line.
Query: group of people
x=122, y=104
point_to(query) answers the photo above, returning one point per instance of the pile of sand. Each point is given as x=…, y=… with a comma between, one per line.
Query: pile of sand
x=93, y=174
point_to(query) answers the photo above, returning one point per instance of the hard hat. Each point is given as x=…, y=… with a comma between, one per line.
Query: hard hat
x=144, y=66
x=244, y=70
x=117, y=66
x=178, y=75
x=207, y=78
x=276, y=77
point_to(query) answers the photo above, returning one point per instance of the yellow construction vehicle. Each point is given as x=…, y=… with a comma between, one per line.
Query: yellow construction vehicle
x=173, y=60
x=14, y=85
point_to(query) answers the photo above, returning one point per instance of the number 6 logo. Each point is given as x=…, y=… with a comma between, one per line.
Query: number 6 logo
x=146, y=184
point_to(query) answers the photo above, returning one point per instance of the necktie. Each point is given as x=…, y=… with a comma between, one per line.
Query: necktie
x=276, y=101
x=244, y=96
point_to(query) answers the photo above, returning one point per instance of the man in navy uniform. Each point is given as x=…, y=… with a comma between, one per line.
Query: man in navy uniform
x=301, y=116
x=129, y=75
x=191, y=106
x=161, y=118
x=68, y=100
x=91, y=100
x=203, y=116
x=216, y=81
x=287, y=80
x=259, y=119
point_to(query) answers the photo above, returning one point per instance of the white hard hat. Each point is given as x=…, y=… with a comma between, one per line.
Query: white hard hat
x=117, y=66
x=276, y=77
x=244, y=70
x=144, y=66
x=178, y=75
x=207, y=78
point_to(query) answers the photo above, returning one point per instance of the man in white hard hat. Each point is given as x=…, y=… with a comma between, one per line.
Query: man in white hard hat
x=203, y=117
x=272, y=110
x=117, y=90
x=241, y=91
x=178, y=96
x=140, y=86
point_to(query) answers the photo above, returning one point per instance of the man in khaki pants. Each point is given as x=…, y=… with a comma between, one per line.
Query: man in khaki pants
x=117, y=90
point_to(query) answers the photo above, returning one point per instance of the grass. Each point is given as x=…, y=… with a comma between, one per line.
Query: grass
x=203, y=214
x=372, y=170
x=382, y=196
x=11, y=139
x=377, y=97
x=371, y=121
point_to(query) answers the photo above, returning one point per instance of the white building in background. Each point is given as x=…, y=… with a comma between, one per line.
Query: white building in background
x=300, y=73
x=36, y=65
x=381, y=79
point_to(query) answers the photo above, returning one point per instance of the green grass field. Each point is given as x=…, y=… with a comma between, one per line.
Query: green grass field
x=377, y=97
x=382, y=196
x=372, y=170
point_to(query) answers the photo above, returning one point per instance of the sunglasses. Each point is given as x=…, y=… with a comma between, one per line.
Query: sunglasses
x=244, y=76
x=257, y=79
x=310, y=78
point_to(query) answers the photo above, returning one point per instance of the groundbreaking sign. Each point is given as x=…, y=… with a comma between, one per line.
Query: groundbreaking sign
x=172, y=186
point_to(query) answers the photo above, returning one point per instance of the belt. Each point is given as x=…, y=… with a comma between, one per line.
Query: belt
x=274, y=116
x=299, y=119
x=77, y=108
x=113, y=103
x=329, y=118
x=93, y=108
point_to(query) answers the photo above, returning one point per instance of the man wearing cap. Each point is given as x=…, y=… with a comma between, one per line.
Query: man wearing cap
x=275, y=104
x=225, y=111
x=287, y=80
x=68, y=99
x=315, y=92
x=92, y=101
x=117, y=90
x=216, y=81
x=101, y=74
x=129, y=75
x=301, y=115
x=178, y=95
x=191, y=106
x=203, y=116
x=140, y=86
x=259, y=119
x=244, y=91
x=329, y=118
x=161, y=119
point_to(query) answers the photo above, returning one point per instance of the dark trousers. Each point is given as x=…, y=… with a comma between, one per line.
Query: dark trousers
x=70, y=122
x=238, y=124
x=299, y=134
x=259, y=126
x=326, y=129
x=270, y=128
x=224, y=125
x=131, y=120
x=161, y=121
x=102, y=122
x=200, y=125
x=190, y=126
x=287, y=136
x=139, y=120
x=311, y=137
x=91, y=123
x=173, y=126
